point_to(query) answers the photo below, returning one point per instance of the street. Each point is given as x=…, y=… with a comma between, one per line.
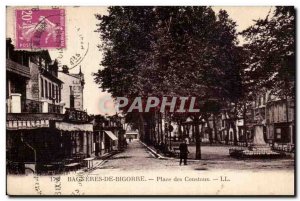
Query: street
x=138, y=170
x=135, y=157
x=138, y=157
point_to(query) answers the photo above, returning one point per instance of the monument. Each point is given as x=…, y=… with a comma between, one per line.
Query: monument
x=259, y=148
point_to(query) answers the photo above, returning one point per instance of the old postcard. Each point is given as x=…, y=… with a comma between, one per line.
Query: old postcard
x=150, y=100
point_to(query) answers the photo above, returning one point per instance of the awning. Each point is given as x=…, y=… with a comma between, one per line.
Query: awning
x=73, y=127
x=15, y=125
x=111, y=135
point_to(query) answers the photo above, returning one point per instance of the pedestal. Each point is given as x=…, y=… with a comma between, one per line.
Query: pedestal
x=15, y=103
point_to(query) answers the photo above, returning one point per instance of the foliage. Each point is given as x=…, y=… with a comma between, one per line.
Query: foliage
x=271, y=47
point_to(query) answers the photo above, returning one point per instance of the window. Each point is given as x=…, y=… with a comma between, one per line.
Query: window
x=59, y=94
x=71, y=98
x=53, y=91
x=278, y=133
x=81, y=144
x=42, y=87
x=43, y=63
x=56, y=93
x=7, y=88
x=50, y=91
x=72, y=101
x=46, y=88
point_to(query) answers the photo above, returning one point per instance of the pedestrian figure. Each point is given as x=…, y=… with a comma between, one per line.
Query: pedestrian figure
x=125, y=143
x=183, y=148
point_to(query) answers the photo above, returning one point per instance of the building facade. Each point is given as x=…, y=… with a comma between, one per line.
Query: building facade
x=77, y=126
x=109, y=134
x=72, y=92
x=277, y=117
x=32, y=99
x=41, y=133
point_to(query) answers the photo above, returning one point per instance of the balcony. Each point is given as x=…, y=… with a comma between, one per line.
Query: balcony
x=52, y=108
x=15, y=104
x=31, y=106
x=74, y=115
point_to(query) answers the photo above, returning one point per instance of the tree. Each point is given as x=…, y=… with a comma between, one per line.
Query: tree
x=125, y=36
x=272, y=62
x=170, y=51
x=271, y=44
x=194, y=53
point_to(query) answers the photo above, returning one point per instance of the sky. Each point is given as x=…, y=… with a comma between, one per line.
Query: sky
x=83, y=40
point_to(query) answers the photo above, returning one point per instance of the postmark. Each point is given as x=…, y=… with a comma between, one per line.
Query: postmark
x=40, y=28
x=73, y=57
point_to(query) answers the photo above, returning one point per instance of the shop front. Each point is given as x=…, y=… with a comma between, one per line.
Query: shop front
x=42, y=145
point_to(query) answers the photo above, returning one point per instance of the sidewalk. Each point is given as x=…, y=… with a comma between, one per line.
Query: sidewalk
x=155, y=153
x=100, y=160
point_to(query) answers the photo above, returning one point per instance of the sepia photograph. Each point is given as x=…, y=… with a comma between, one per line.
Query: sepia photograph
x=150, y=100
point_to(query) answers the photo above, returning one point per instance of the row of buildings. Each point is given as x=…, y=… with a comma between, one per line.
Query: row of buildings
x=46, y=123
x=270, y=118
x=273, y=116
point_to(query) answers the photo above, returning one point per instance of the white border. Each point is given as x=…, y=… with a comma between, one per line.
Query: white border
x=5, y=3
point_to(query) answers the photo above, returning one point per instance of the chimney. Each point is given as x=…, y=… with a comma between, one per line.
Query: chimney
x=65, y=69
x=80, y=73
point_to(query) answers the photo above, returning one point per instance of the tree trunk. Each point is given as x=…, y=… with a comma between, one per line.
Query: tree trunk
x=198, y=138
x=234, y=133
x=287, y=117
x=153, y=126
x=215, y=129
x=157, y=127
x=179, y=129
x=227, y=125
x=142, y=127
x=245, y=127
x=148, y=129
x=209, y=130
x=193, y=132
x=161, y=128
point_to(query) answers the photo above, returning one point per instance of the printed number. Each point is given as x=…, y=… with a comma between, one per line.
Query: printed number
x=26, y=15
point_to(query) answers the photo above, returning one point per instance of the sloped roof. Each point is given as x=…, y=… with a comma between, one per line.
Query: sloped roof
x=16, y=68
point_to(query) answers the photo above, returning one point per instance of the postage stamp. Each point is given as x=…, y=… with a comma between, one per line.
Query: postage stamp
x=40, y=28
